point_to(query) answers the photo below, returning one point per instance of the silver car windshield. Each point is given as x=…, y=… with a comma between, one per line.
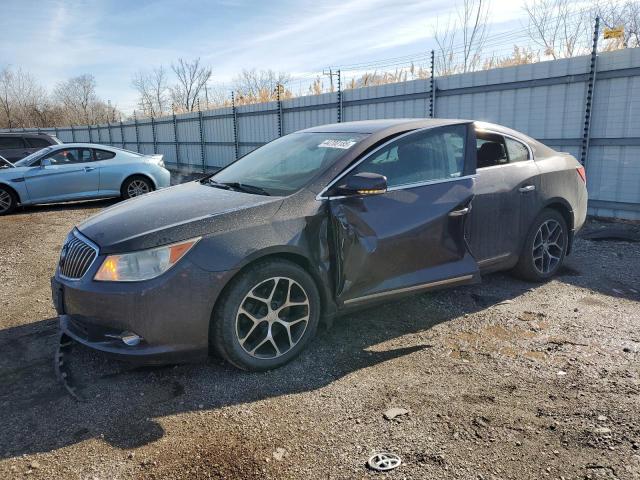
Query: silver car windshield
x=26, y=161
x=287, y=164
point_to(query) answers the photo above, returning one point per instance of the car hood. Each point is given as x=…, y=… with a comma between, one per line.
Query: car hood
x=173, y=214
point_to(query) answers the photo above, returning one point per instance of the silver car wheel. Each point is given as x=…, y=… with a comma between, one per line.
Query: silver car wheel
x=272, y=318
x=5, y=201
x=548, y=247
x=137, y=188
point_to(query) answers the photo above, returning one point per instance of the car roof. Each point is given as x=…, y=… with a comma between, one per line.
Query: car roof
x=375, y=126
x=85, y=145
x=24, y=134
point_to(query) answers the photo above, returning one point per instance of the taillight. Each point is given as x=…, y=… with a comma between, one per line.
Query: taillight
x=582, y=174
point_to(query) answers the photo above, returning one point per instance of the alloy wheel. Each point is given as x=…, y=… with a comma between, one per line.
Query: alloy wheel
x=548, y=246
x=137, y=188
x=272, y=318
x=5, y=201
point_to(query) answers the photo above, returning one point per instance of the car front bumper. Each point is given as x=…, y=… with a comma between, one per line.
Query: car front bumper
x=170, y=313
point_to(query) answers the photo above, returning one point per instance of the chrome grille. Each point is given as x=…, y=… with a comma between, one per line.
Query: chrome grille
x=76, y=257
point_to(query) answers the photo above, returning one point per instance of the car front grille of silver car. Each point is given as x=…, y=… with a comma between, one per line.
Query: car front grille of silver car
x=76, y=257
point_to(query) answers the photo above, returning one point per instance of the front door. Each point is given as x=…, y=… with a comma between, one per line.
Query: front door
x=71, y=175
x=507, y=185
x=412, y=236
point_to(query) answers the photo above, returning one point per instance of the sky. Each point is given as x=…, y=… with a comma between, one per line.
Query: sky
x=112, y=40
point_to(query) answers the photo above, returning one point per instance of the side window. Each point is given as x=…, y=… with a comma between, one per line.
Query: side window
x=492, y=149
x=37, y=142
x=11, y=142
x=435, y=154
x=103, y=154
x=67, y=156
x=518, y=152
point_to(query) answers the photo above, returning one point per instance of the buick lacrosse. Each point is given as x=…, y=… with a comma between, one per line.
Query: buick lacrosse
x=248, y=261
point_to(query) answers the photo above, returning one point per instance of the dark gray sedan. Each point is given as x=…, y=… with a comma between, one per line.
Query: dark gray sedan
x=248, y=261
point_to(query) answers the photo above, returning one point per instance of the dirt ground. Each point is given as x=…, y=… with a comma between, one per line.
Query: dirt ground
x=500, y=380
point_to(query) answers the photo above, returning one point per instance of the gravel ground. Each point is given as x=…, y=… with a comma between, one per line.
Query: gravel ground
x=499, y=380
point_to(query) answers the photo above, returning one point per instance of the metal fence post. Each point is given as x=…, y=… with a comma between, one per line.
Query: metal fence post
x=235, y=125
x=278, y=92
x=135, y=122
x=73, y=134
x=109, y=130
x=121, y=132
x=55, y=130
x=90, y=136
x=339, y=96
x=175, y=134
x=204, y=170
x=153, y=135
x=432, y=98
x=591, y=87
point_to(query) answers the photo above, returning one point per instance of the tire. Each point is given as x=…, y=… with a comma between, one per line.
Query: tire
x=544, y=249
x=8, y=201
x=242, y=336
x=135, y=186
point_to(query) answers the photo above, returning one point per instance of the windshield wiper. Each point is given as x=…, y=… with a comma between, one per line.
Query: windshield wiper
x=213, y=183
x=243, y=187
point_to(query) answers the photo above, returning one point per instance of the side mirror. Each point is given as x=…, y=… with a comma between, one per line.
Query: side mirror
x=363, y=183
x=46, y=163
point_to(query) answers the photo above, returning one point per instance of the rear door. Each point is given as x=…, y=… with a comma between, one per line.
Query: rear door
x=506, y=192
x=71, y=175
x=412, y=236
x=13, y=148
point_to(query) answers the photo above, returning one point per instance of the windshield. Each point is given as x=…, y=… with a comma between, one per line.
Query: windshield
x=26, y=161
x=288, y=163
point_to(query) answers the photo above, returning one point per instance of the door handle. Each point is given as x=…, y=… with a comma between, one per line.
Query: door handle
x=461, y=212
x=527, y=188
x=89, y=169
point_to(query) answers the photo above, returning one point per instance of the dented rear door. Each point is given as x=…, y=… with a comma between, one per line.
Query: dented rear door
x=412, y=236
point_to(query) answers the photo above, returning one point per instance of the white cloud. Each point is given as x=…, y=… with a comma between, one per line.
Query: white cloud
x=58, y=39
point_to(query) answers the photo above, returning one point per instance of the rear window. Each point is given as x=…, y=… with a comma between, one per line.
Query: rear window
x=11, y=142
x=37, y=142
x=104, y=154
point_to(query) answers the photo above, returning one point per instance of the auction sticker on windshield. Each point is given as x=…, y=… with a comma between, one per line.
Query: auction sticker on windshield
x=343, y=144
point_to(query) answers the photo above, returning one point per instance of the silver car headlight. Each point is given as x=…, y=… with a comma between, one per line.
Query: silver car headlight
x=144, y=264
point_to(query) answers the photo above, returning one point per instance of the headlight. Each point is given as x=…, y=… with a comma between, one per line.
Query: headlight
x=142, y=265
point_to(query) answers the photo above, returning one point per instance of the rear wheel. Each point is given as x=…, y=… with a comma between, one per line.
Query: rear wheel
x=545, y=247
x=136, y=186
x=266, y=316
x=8, y=201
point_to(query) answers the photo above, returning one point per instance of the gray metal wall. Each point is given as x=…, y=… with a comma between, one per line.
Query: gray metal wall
x=545, y=100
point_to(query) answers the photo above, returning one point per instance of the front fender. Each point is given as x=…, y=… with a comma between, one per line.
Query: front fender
x=19, y=186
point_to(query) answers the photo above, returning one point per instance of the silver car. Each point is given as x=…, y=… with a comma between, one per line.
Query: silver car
x=79, y=171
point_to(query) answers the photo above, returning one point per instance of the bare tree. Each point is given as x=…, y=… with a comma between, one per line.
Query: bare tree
x=77, y=96
x=558, y=27
x=254, y=86
x=461, y=40
x=153, y=91
x=192, y=78
x=23, y=102
x=626, y=15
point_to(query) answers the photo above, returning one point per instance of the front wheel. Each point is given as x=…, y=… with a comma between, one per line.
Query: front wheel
x=545, y=247
x=136, y=186
x=266, y=316
x=8, y=201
